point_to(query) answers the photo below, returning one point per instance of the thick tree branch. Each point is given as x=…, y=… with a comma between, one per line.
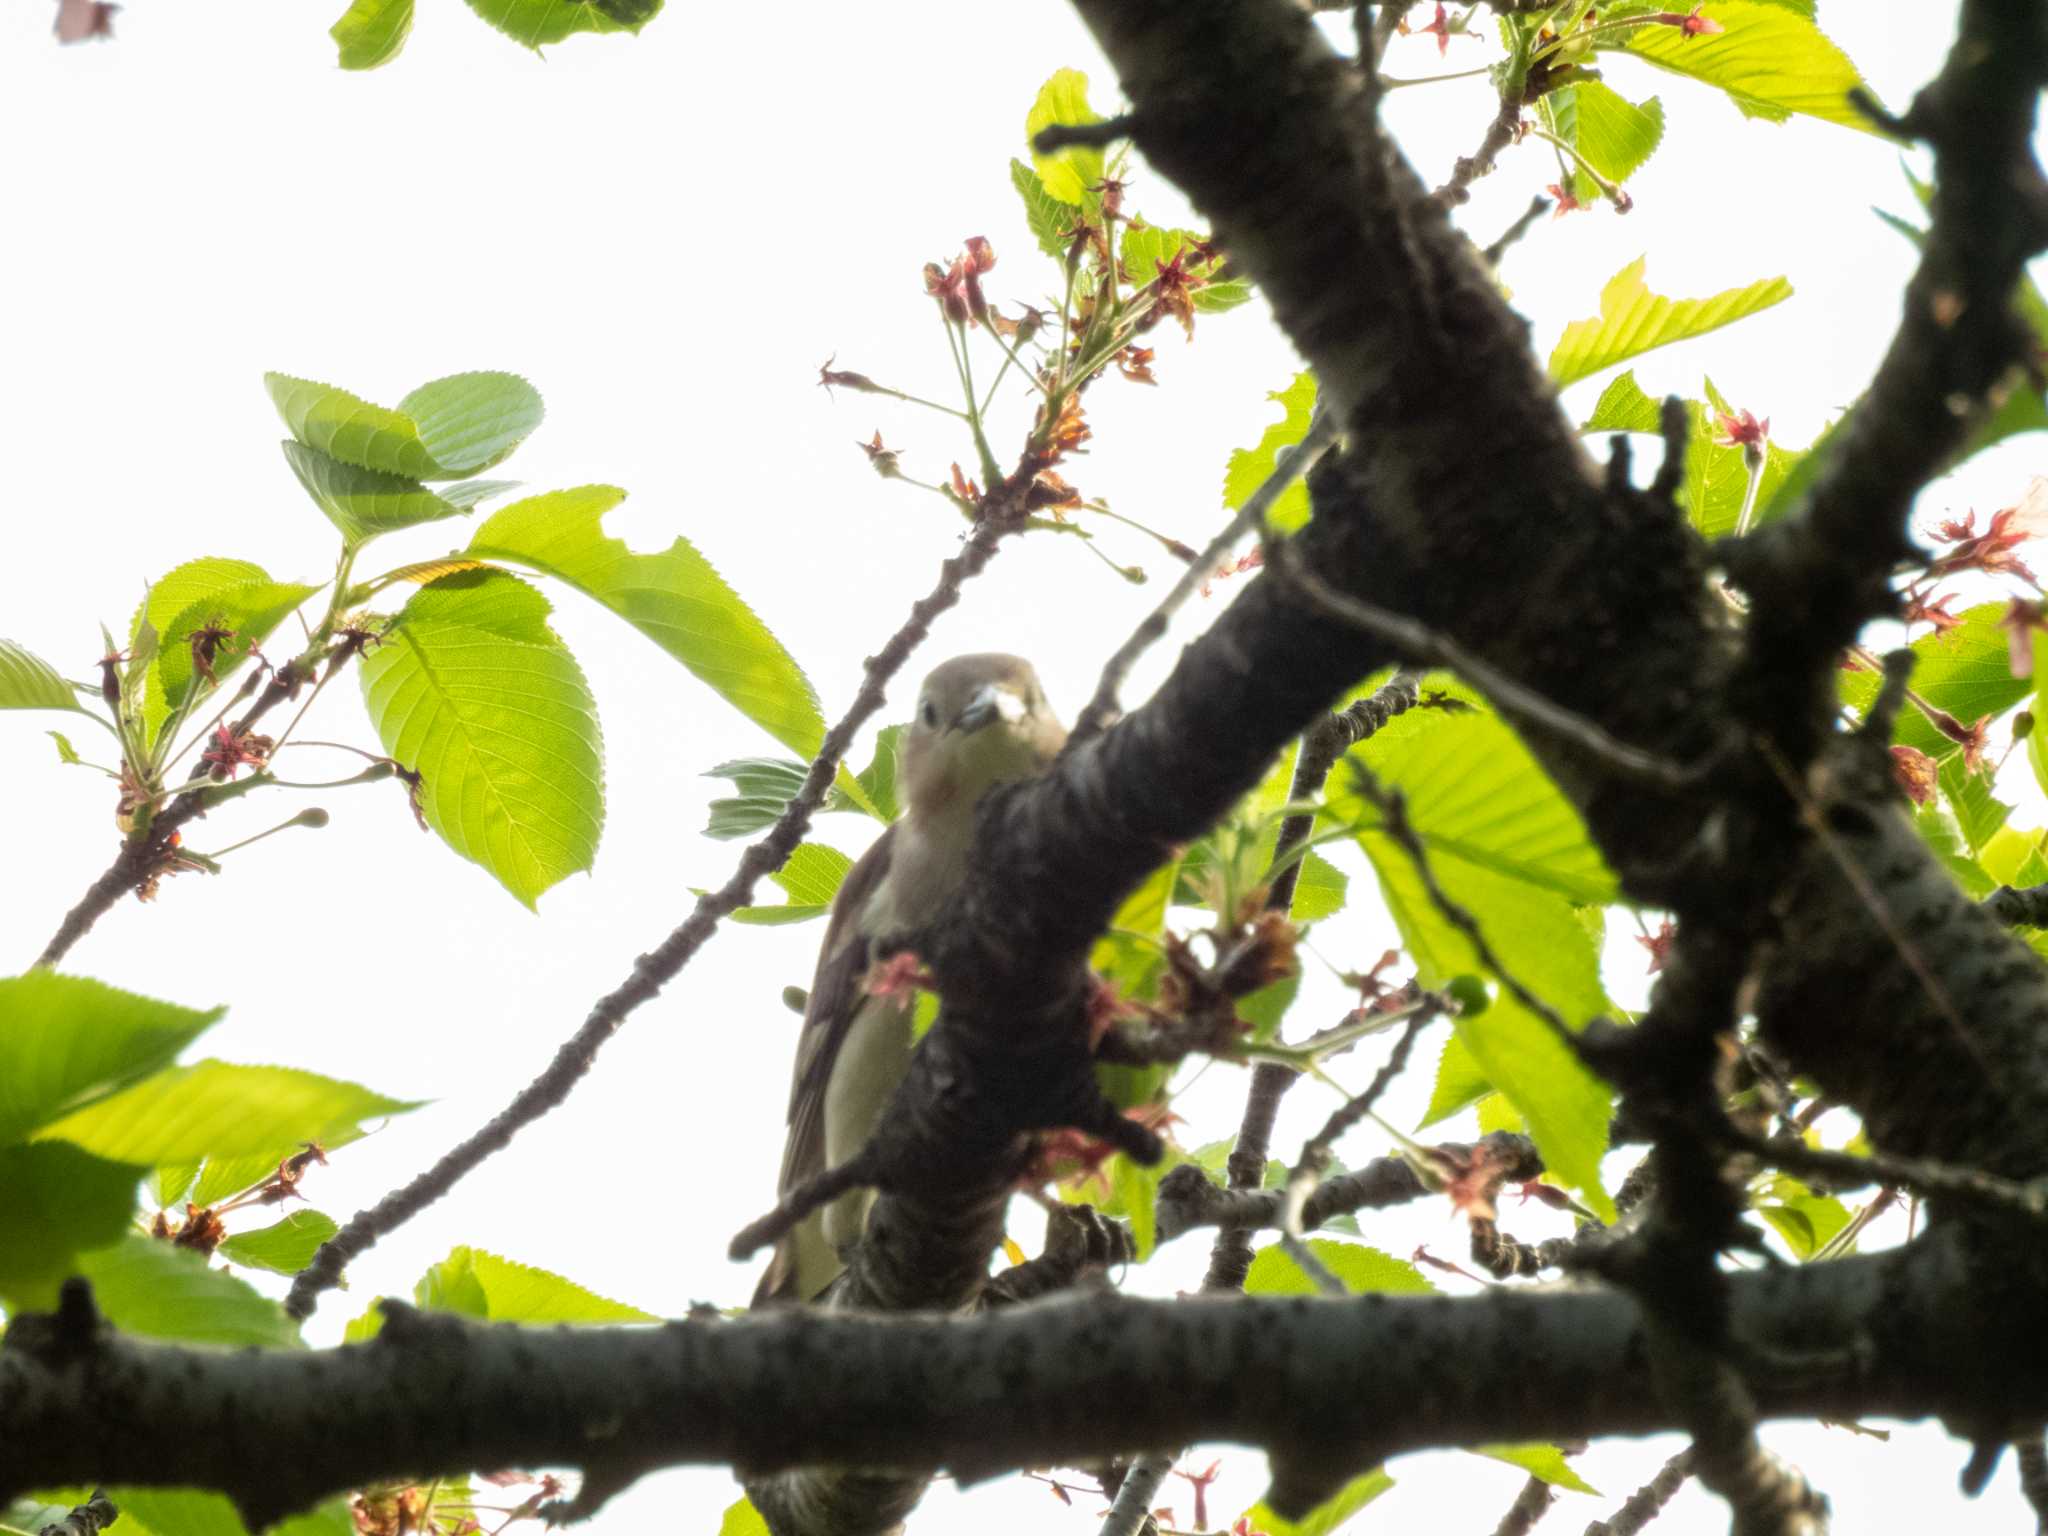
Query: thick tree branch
x=1327, y=1387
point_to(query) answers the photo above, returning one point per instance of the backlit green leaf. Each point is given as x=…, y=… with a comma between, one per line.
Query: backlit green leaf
x=55, y=1202
x=675, y=598
x=1966, y=671
x=742, y=1519
x=217, y=1110
x=1250, y=468
x=1362, y=1269
x=69, y=1043
x=811, y=878
x=482, y=1285
x=473, y=691
x=148, y=1287
x=1540, y=1461
x=29, y=682
x=1772, y=59
x=250, y=611
x=537, y=23
x=469, y=421
x=1069, y=173
x=371, y=32
x=1049, y=218
x=363, y=503
x=284, y=1247
x=1325, y=1517
x=1633, y=320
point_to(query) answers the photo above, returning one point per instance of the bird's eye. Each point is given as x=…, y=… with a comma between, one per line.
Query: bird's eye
x=929, y=714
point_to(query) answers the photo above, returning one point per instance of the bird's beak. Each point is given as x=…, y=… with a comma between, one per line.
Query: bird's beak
x=990, y=702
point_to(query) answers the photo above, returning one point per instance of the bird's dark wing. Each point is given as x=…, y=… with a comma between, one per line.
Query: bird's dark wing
x=835, y=996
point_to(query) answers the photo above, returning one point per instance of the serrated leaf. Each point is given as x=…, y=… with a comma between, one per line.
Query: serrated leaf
x=219, y=1110
x=1966, y=671
x=284, y=1247
x=1363, y=1270
x=1250, y=468
x=482, y=1285
x=421, y=572
x=55, y=1202
x=29, y=682
x=65, y=751
x=676, y=598
x=1147, y=248
x=1459, y=1082
x=470, y=421
x=1771, y=59
x=1613, y=133
x=70, y=1043
x=371, y=32
x=810, y=877
x=1472, y=789
x=1633, y=320
x=1327, y=1516
x=473, y=691
x=1320, y=890
x=251, y=611
x=148, y=1287
x=1716, y=479
x=176, y=590
x=1539, y=1461
x=878, y=779
x=1979, y=813
x=1048, y=218
x=1623, y=406
x=363, y=503
x=765, y=785
x=1068, y=174
x=1566, y=1107
x=347, y=427
x=537, y=23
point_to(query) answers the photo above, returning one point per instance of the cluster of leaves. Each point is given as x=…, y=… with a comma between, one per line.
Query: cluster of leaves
x=372, y=32
x=93, y=1114
x=476, y=702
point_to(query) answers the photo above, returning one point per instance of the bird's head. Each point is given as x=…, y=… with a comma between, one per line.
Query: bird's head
x=981, y=720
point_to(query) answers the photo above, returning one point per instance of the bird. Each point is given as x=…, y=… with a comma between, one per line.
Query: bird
x=981, y=720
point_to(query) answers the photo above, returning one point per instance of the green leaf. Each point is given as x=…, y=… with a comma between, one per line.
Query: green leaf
x=1250, y=468
x=1320, y=890
x=1979, y=813
x=878, y=779
x=190, y=1512
x=29, y=682
x=1049, y=218
x=1266, y=1008
x=1129, y=957
x=468, y=422
x=1363, y=1270
x=371, y=32
x=70, y=1043
x=811, y=878
x=1614, y=134
x=1804, y=1219
x=363, y=503
x=473, y=691
x=537, y=23
x=441, y=431
x=765, y=785
x=1624, y=407
x=742, y=1519
x=1459, y=1082
x=1538, y=1460
x=1966, y=671
x=1539, y=939
x=1063, y=99
x=674, y=598
x=1146, y=248
x=1772, y=60
x=1471, y=788
x=56, y=1202
x=1325, y=1517
x=1633, y=320
x=346, y=427
x=214, y=1109
x=251, y=611
x=146, y=1286
x=284, y=1247
x=482, y=1285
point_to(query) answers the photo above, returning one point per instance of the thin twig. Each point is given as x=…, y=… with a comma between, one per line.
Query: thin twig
x=654, y=970
x=1648, y=1501
x=1103, y=709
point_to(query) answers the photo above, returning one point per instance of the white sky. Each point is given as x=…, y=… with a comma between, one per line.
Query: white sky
x=667, y=236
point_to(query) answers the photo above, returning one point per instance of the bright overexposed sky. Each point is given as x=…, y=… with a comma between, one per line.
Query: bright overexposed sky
x=667, y=236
